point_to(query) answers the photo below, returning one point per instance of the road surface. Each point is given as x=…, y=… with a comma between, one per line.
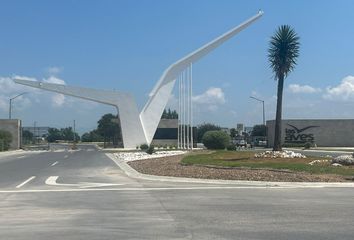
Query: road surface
x=84, y=195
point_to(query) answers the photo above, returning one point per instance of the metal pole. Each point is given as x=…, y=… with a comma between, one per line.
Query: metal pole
x=263, y=114
x=191, y=87
x=74, y=133
x=10, y=105
x=179, y=113
x=188, y=113
x=260, y=100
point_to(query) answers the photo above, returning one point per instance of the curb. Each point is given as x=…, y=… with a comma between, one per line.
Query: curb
x=131, y=172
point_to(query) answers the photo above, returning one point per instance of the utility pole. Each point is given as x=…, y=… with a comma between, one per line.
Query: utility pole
x=10, y=104
x=259, y=100
x=74, y=133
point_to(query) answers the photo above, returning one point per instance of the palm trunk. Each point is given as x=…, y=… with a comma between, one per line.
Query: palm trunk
x=277, y=135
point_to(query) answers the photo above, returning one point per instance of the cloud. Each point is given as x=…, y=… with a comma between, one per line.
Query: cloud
x=211, y=96
x=344, y=91
x=296, y=88
x=54, y=70
x=211, y=99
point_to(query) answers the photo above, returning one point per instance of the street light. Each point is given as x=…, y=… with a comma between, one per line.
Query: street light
x=10, y=105
x=259, y=100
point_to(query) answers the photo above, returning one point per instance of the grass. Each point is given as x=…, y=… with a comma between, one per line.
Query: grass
x=246, y=159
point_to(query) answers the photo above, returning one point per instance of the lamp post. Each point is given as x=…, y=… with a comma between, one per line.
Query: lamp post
x=259, y=100
x=10, y=105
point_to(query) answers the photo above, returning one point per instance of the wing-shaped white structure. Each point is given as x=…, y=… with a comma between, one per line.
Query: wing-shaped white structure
x=138, y=129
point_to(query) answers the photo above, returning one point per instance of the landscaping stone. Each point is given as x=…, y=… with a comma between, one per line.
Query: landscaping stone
x=318, y=162
x=337, y=165
x=279, y=154
x=344, y=160
x=133, y=156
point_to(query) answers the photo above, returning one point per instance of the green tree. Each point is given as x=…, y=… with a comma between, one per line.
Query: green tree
x=54, y=134
x=216, y=139
x=203, y=128
x=233, y=132
x=282, y=55
x=109, y=128
x=259, y=130
x=5, y=140
x=168, y=114
x=27, y=137
x=92, y=136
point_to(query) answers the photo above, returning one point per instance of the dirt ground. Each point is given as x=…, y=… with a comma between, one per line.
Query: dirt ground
x=171, y=166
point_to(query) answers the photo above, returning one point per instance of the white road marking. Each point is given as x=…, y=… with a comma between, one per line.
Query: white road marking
x=150, y=189
x=52, y=180
x=55, y=163
x=21, y=157
x=66, y=156
x=27, y=181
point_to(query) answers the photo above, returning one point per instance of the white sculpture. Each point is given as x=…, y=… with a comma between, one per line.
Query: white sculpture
x=140, y=128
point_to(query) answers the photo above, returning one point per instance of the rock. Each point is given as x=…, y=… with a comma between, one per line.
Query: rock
x=317, y=162
x=344, y=160
x=279, y=154
x=337, y=165
x=132, y=156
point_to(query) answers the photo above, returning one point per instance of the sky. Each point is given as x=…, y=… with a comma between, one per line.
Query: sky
x=126, y=45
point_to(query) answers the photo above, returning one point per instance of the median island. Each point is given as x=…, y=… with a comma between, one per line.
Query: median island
x=244, y=165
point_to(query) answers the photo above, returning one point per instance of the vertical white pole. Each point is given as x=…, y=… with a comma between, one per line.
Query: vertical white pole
x=184, y=110
x=179, y=111
x=188, y=113
x=191, y=108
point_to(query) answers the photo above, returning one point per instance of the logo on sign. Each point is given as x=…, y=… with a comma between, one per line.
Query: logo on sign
x=296, y=135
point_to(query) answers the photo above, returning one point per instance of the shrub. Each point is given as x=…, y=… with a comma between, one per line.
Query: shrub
x=5, y=140
x=144, y=147
x=150, y=150
x=231, y=147
x=216, y=140
x=307, y=145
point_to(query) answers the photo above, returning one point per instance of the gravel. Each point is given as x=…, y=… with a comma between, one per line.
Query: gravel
x=170, y=166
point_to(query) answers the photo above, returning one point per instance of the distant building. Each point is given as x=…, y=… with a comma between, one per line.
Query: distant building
x=322, y=132
x=166, y=133
x=248, y=130
x=240, y=128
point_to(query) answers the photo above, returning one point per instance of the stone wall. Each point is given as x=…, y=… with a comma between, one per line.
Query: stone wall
x=322, y=132
x=14, y=127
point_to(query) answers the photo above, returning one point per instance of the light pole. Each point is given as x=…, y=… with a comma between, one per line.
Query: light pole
x=259, y=100
x=10, y=105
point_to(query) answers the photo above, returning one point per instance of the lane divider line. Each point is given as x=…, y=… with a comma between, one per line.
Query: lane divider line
x=55, y=163
x=25, y=182
x=21, y=156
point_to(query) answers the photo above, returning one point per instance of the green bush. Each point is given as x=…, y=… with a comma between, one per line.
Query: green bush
x=150, y=150
x=144, y=147
x=5, y=140
x=231, y=147
x=307, y=145
x=216, y=140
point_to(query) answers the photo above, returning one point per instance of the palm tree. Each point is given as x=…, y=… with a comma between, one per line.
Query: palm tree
x=282, y=55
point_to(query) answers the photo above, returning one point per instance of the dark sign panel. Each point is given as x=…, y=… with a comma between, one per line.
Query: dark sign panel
x=296, y=135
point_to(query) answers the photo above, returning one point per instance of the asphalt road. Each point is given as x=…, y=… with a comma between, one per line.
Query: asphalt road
x=84, y=195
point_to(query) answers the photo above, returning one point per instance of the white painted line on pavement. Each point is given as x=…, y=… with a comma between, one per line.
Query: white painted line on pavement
x=27, y=181
x=52, y=180
x=55, y=163
x=66, y=156
x=21, y=157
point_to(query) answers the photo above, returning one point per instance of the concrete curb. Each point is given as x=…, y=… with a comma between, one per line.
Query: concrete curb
x=131, y=172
